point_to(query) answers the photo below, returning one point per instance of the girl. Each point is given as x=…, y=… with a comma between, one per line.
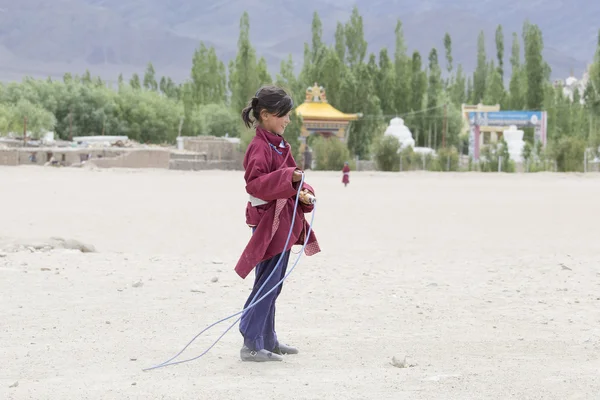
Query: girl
x=346, y=174
x=272, y=179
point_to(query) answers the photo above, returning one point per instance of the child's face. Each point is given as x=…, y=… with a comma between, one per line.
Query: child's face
x=274, y=123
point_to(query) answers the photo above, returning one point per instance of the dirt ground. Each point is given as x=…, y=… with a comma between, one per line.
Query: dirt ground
x=488, y=284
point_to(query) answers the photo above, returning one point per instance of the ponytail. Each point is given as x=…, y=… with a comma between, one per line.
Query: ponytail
x=250, y=113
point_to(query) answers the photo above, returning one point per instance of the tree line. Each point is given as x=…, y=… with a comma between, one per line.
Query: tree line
x=425, y=90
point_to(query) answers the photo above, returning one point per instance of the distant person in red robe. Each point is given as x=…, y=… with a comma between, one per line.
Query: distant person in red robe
x=346, y=174
x=272, y=178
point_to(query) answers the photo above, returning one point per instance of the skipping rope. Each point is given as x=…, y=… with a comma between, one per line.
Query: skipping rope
x=254, y=300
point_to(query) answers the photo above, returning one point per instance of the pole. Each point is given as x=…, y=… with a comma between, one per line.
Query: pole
x=585, y=161
x=180, y=126
x=70, y=126
x=500, y=164
x=25, y=131
x=445, y=125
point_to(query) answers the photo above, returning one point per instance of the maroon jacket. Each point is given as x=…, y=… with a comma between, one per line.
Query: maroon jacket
x=269, y=166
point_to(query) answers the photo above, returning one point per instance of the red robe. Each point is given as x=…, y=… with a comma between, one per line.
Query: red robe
x=346, y=176
x=269, y=169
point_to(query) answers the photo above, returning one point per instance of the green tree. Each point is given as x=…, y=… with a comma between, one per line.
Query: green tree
x=263, y=74
x=494, y=93
x=340, y=41
x=292, y=136
x=330, y=153
x=517, y=97
x=387, y=154
x=448, y=47
x=244, y=74
x=218, y=120
x=207, y=76
x=385, y=83
x=418, y=90
x=434, y=90
x=459, y=94
x=355, y=39
x=481, y=71
x=403, y=72
x=288, y=81
x=591, y=94
x=534, y=66
x=38, y=119
x=317, y=34
x=150, y=78
x=134, y=82
x=500, y=51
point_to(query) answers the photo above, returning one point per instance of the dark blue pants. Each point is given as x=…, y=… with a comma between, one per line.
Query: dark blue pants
x=258, y=323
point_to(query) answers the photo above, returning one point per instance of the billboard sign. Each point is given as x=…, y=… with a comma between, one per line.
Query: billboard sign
x=521, y=119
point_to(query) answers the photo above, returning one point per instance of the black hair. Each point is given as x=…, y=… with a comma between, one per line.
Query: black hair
x=272, y=99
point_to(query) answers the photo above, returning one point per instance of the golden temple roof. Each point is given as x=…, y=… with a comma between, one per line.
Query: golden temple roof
x=316, y=107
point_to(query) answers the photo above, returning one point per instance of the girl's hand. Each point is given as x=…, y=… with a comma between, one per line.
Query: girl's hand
x=297, y=176
x=305, y=197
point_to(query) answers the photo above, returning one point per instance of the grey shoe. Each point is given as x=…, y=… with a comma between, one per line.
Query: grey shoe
x=284, y=349
x=258, y=356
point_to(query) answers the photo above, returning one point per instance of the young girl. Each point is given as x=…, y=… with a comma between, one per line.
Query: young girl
x=272, y=179
x=346, y=174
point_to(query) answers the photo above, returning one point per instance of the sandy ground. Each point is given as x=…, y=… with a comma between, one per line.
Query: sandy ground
x=489, y=284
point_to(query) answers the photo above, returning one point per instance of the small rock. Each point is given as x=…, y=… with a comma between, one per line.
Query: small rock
x=438, y=378
x=107, y=322
x=133, y=359
x=196, y=291
x=432, y=284
x=133, y=384
x=45, y=269
x=14, y=385
x=217, y=261
x=564, y=267
x=2, y=255
x=138, y=284
x=399, y=362
x=215, y=279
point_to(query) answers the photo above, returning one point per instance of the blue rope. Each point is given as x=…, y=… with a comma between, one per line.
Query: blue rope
x=254, y=301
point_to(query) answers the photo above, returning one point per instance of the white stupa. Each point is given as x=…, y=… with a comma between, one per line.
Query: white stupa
x=514, y=140
x=401, y=132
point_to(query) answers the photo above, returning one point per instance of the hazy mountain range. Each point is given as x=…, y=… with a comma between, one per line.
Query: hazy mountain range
x=49, y=37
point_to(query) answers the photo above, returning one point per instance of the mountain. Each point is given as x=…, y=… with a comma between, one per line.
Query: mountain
x=50, y=37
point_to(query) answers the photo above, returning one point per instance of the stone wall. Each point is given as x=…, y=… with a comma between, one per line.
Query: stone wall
x=135, y=158
x=9, y=157
x=103, y=158
x=206, y=153
x=215, y=148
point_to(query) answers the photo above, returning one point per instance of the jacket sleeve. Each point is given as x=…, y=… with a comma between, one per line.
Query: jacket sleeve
x=263, y=183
